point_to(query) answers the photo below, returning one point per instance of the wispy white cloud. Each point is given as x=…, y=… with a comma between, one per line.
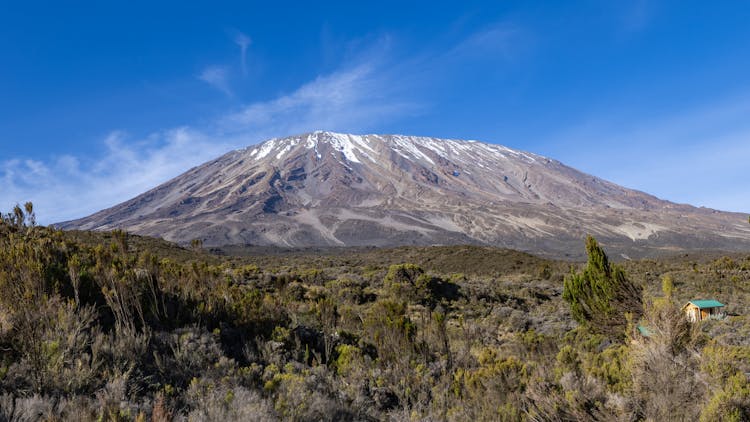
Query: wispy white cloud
x=356, y=97
x=370, y=88
x=68, y=187
x=218, y=77
x=352, y=99
x=501, y=39
x=243, y=41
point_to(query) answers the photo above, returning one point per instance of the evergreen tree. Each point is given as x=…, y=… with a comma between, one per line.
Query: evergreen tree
x=601, y=296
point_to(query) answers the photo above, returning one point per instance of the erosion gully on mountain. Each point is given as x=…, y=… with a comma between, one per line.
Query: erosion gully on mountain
x=328, y=189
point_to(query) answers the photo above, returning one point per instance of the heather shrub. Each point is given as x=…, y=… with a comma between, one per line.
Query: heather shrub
x=112, y=326
x=210, y=402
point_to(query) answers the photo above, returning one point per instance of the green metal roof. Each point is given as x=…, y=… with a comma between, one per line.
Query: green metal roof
x=710, y=303
x=645, y=332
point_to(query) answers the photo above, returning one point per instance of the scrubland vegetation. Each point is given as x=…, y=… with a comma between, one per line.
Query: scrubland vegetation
x=109, y=326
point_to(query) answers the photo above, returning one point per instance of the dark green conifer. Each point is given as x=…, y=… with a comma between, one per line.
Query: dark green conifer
x=601, y=296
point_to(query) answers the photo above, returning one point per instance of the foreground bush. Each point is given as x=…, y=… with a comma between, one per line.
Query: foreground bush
x=114, y=328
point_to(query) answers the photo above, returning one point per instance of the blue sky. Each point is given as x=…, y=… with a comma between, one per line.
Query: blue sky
x=100, y=101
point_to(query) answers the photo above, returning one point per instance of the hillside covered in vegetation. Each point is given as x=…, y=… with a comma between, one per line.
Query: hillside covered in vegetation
x=110, y=326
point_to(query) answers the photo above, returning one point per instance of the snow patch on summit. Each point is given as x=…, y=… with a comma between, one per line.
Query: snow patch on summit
x=407, y=145
x=344, y=144
x=265, y=149
x=283, y=151
x=351, y=146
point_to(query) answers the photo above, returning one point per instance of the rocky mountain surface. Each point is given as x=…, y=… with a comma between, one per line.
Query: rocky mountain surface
x=331, y=189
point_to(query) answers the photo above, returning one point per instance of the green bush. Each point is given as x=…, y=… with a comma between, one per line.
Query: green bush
x=601, y=296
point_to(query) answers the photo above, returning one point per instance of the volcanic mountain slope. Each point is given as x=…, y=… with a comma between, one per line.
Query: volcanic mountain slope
x=330, y=189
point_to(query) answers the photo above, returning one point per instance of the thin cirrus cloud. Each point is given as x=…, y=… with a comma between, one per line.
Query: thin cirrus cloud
x=374, y=88
x=217, y=77
x=243, y=42
x=370, y=88
x=501, y=38
x=351, y=98
x=68, y=187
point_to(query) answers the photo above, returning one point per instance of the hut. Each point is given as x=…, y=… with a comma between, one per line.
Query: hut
x=701, y=309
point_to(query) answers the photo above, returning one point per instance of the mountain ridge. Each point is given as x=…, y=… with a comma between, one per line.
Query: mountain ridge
x=332, y=189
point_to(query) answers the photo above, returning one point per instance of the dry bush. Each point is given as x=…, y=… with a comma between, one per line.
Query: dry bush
x=55, y=345
x=221, y=403
x=27, y=409
x=667, y=381
x=575, y=397
x=188, y=353
x=178, y=336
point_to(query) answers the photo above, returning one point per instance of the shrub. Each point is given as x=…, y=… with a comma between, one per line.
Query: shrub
x=730, y=403
x=210, y=402
x=602, y=295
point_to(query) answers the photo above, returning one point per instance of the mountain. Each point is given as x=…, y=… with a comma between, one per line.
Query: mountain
x=331, y=189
